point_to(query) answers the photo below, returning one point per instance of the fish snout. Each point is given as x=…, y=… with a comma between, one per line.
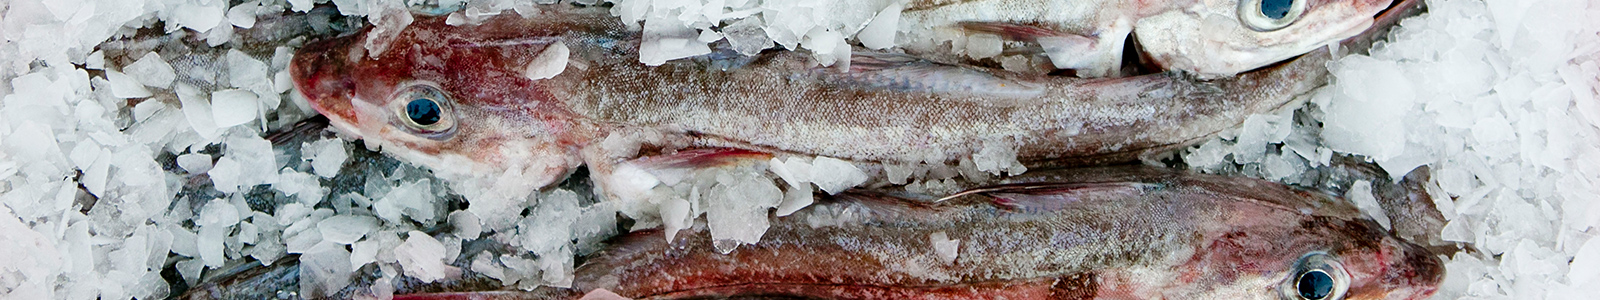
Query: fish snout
x=321, y=73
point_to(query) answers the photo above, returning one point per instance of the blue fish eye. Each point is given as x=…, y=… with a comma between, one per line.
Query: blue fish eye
x=1314, y=284
x=423, y=111
x=1276, y=9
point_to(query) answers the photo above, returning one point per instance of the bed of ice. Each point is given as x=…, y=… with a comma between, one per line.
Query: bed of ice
x=122, y=180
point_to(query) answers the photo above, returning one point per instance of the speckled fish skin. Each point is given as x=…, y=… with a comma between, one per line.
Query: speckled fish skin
x=887, y=109
x=1206, y=38
x=1107, y=233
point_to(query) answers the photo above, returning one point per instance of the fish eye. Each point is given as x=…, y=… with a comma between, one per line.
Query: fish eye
x=1269, y=15
x=1315, y=284
x=1316, y=276
x=424, y=110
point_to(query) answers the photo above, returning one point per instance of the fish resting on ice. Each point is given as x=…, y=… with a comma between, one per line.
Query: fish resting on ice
x=532, y=99
x=1105, y=233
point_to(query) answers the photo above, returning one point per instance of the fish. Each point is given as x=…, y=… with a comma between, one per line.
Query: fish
x=1208, y=39
x=536, y=98
x=1125, y=232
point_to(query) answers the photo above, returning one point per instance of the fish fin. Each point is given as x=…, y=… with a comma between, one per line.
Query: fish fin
x=1014, y=31
x=1056, y=196
x=701, y=158
x=901, y=72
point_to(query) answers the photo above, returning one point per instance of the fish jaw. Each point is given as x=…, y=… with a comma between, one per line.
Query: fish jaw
x=1209, y=39
x=502, y=123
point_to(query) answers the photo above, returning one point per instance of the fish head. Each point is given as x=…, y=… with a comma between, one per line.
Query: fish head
x=456, y=99
x=1326, y=254
x=1218, y=38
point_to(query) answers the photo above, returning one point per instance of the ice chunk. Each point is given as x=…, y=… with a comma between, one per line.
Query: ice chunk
x=151, y=71
x=880, y=32
x=215, y=220
x=1585, y=268
x=346, y=229
x=246, y=72
x=664, y=41
x=197, y=109
x=225, y=175
x=301, y=5
x=324, y=270
x=998, y=155
x=549, y=63
x=422, y=257
x=411, y=199
x=747, y=37
x=833, y=175
x=984, y=45
x=364, y=252
x=736, y=209
x=195, y=163
x=233, y=107
x=327, y=156
x=243, y=15
x=944, y=247
x=675, y=215
x=200, y=17
x=1361, y=194
x=794, y=199
x=465, y=224
x=124, y=86
x=796, y=170
x=1368, y=114
x=387, y=20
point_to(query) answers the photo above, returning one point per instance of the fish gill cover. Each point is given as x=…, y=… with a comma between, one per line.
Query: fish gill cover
x=134, y=163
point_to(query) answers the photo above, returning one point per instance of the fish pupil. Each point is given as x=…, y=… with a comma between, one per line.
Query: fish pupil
x=423, y=111
x=1314, y=285
x=1275, y=9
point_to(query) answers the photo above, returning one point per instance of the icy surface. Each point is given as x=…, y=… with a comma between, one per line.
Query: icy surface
x=1497, y=97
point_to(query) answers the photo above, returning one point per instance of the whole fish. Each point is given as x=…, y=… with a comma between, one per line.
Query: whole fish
x=539, y=97
x=1107, y=233
x=1210, y=39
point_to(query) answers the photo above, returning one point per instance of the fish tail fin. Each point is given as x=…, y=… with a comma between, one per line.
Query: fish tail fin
x=1408, y=201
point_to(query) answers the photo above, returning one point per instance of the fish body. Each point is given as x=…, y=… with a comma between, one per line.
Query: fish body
x=1107, y=233
x=1210, y=38
x=502, y=115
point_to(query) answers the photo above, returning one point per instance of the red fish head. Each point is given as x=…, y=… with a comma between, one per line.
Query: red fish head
x=1325, y=255
x=456, y=99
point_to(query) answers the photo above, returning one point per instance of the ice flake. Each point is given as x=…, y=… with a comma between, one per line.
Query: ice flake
x=124, y=86
x=736, y=209
x=422, y=257
x=346, y=229
x=880, y=32
x=833, y=175
x=152, y=71
x=233, y=107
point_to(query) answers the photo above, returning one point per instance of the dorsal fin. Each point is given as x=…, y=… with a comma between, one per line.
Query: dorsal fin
x=900, y=72
x=1056, y=196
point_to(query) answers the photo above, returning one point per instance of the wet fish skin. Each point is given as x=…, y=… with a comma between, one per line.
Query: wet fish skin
x=887, y=109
